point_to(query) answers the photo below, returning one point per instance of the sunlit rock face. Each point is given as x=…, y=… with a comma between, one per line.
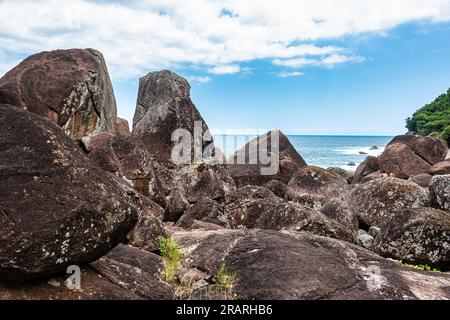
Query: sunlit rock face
x=163, y=106
x=72, y=88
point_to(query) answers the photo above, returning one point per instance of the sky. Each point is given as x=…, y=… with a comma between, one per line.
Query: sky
x=353, y=67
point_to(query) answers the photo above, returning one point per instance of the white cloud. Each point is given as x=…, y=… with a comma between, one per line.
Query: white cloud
x=226, y=69
x=285, y=74
x=199, y=79
x=141, y=35
x=326, y=61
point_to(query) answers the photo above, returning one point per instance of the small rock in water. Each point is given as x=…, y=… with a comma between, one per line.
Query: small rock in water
x=363, y=153
x=374, y=148
x=351, y=164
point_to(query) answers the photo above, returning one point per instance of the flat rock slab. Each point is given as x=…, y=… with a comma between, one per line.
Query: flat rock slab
x=299, y=266
x=94, y=287
x=135, y=270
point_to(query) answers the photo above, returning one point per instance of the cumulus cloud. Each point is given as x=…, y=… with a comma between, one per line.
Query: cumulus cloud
x=141, y=35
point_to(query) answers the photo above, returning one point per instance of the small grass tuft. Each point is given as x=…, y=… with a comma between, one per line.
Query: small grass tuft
x=171, y=254
x=226, y=282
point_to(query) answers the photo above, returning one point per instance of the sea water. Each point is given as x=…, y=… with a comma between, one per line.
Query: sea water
x=322, y=151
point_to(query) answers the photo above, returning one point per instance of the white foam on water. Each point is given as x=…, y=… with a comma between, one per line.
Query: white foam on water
x=354, y=151
x=350, y=168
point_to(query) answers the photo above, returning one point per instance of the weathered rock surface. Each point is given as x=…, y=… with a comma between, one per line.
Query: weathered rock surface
x=277, y=187
x=163, y=106
x=258, y=208
x=374, y=176
x=135, y=270
x=431, y=149
x=247, y=167
x=307, y=267
x=440, y=192
x=314, y=186
x=176, y=206
x=364, y=239
x=94, y=287
x=339, y=210
x=205, y=210
x=347, y=175
x=72, y=88
x=127, y=157
x=149, y=227
x=400, y=160
x=369, y=166
x=197, y=182
x=440, y=168
x=378, y=201
x=122, y=127
x=423, y=179
x=419, y=236
x=56, y=206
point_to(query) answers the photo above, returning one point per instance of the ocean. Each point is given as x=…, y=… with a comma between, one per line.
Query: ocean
x=321, y=151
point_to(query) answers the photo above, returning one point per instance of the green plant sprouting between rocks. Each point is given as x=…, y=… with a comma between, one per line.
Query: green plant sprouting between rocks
x=419, y=266
x=226, y=282
x=171, y=254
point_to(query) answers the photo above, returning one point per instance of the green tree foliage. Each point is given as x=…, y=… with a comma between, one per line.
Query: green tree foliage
x=433, y=118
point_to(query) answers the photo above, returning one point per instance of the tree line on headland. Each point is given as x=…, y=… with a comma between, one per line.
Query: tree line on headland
x=433, y=118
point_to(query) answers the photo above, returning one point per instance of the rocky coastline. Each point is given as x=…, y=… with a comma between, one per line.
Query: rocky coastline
x=80, y=188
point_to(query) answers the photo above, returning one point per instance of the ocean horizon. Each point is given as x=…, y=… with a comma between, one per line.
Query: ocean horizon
x=320, y=150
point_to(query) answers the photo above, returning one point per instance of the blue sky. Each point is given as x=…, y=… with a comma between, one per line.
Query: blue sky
x=306, y=67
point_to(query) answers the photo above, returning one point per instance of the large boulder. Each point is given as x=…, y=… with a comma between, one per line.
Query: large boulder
x=441, y=168
x=57, y=208
x=369, y=166
x=314, y=186
x=440, y=192
x=248, y=168
x=163, y=106
x=273, y=265
x=431, y=149
x=72, y=88
x=378, y=201
x=400, y=160
x=419, y=236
